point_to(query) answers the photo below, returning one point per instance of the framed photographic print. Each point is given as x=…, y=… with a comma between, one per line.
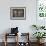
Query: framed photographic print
x=17, y=13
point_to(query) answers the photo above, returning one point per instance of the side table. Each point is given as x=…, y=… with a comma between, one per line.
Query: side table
x=8, y=34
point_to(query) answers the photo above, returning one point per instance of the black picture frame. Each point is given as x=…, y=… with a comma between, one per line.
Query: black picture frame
x=18, y=13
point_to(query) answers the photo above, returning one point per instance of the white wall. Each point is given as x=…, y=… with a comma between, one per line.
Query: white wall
x=24, y=25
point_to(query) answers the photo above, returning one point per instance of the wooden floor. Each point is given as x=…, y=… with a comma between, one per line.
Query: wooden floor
x=13, y=44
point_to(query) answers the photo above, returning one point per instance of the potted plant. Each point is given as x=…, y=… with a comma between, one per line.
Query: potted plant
x=39, y=35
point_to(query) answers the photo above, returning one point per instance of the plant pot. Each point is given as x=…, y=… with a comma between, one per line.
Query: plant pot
x=40, y=40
